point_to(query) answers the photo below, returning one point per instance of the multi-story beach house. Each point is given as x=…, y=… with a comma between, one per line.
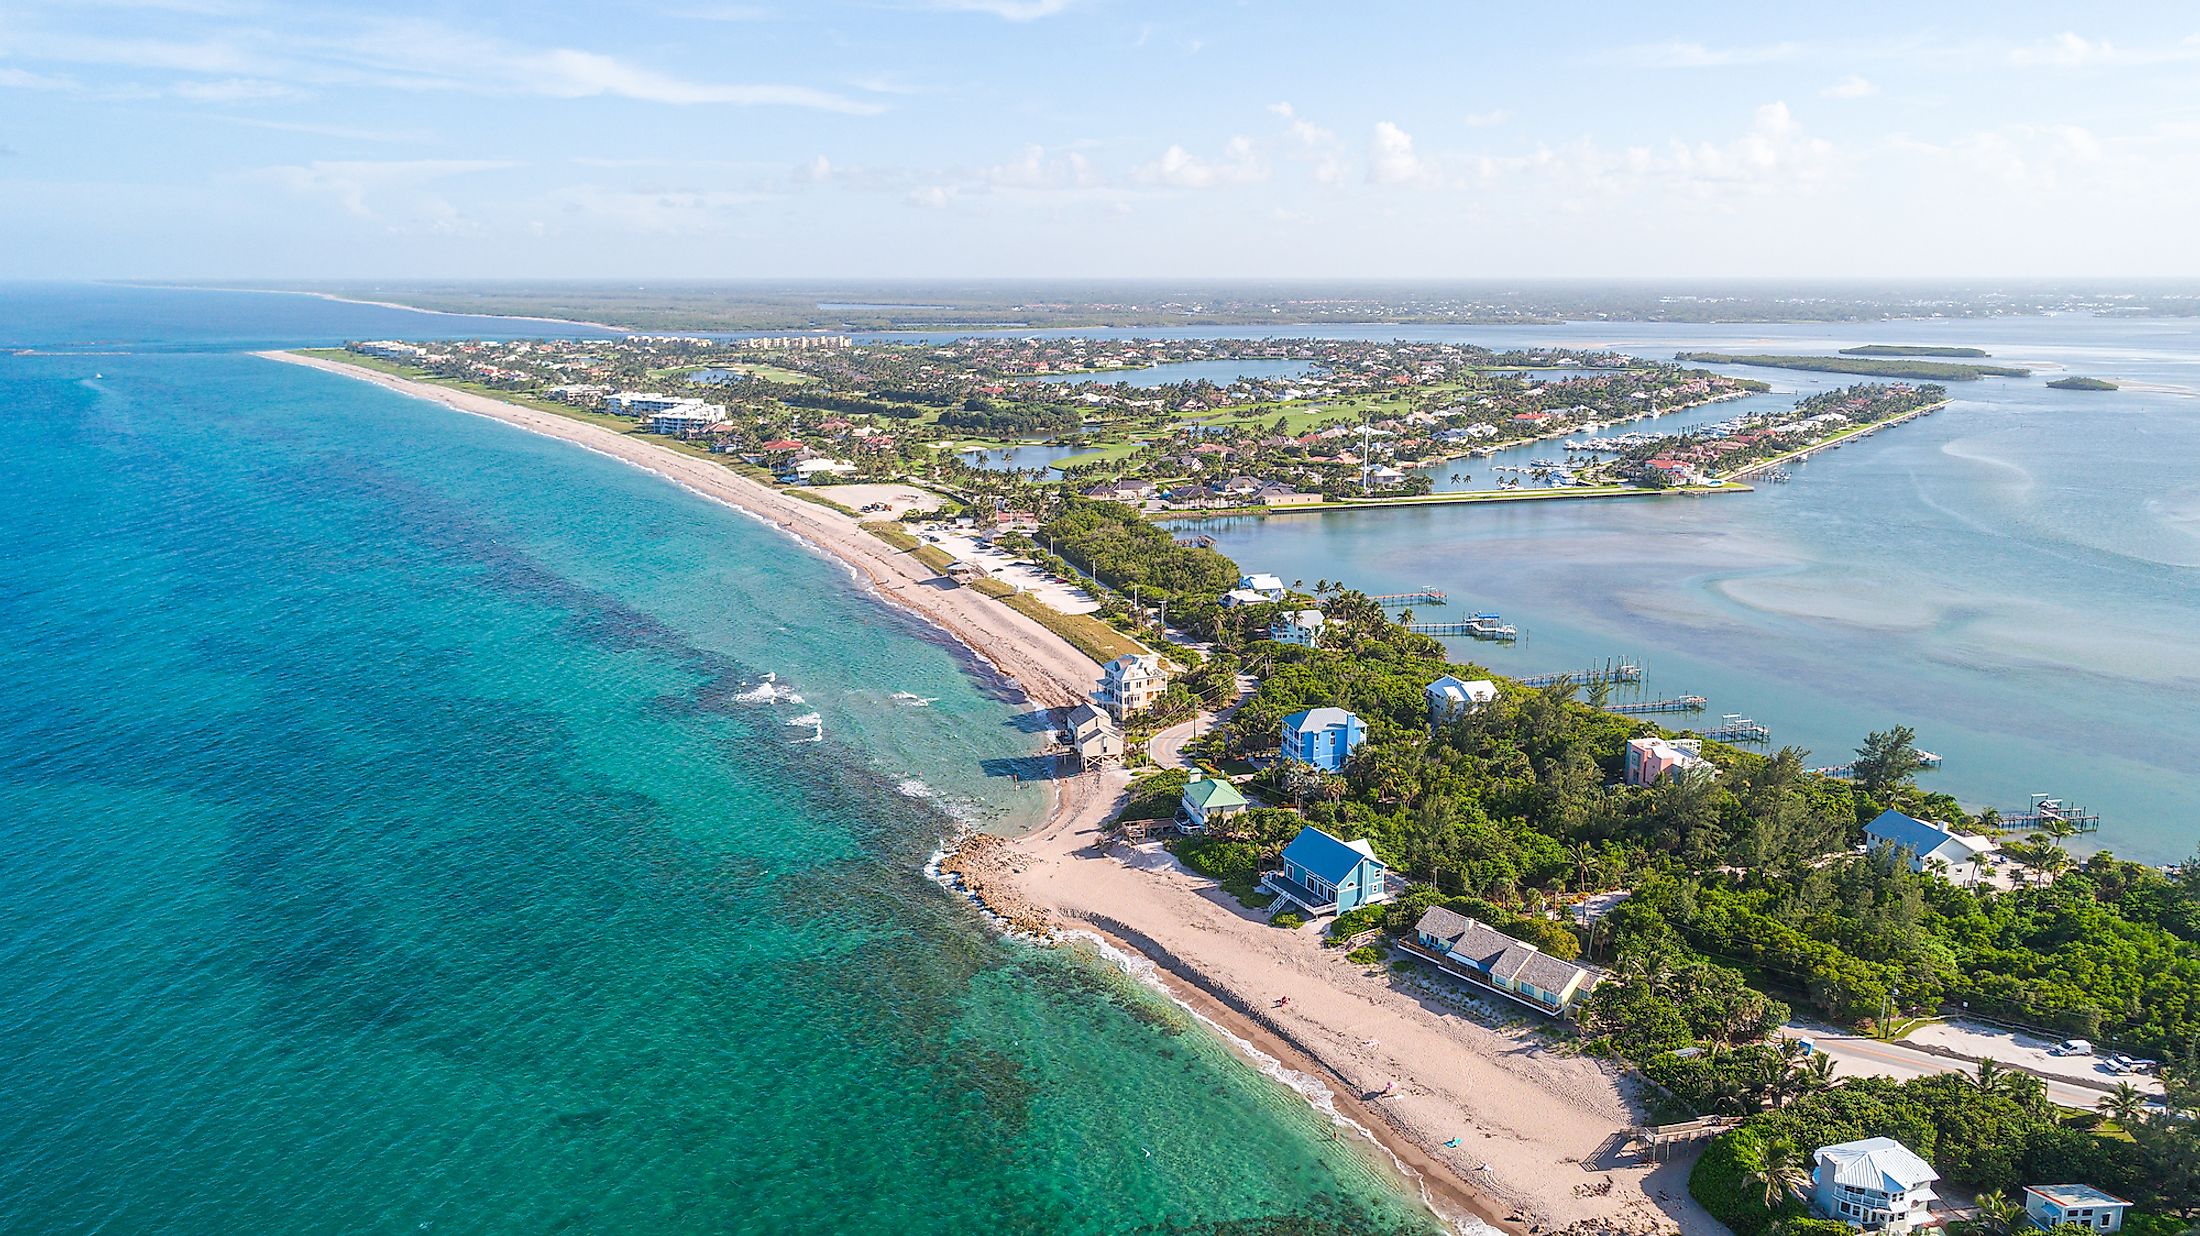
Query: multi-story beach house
x=1651, y=760
x=1322, y=875
x=1270, y=587
x=1130, y=684
x=1323, y=737
x=2049, y=1206
x=1483, y=955
x=1205, y=801
x=1093, y=735
x=692, y=416
x=1450, y=699
x=1877, y=1184
x=1923, y=844
x=1301, y=627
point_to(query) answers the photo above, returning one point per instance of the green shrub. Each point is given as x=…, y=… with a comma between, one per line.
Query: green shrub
x=1366, y=955
x=1289, y=920
x=1721, y=1182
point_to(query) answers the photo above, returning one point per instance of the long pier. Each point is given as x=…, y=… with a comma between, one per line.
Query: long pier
x=1426, y=596
x=1609, y=672
x=1681, y=703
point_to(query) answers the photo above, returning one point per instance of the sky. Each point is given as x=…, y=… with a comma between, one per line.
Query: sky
x=725, y=139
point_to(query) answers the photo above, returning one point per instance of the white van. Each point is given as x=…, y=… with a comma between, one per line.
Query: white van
x=2071, y=1047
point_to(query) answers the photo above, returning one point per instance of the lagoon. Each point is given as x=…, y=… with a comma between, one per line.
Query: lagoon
x=2016, y=575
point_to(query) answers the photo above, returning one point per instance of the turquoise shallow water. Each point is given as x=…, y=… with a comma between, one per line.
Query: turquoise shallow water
x=402, y=834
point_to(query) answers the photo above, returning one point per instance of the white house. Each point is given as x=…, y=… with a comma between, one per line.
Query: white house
x=2084, y=1205
x=1877, y=1184
x=1925, y=844
x=1270, y=587
x=1130, y=684
x=1450, y=699
x=1302, y=627
x=693, y=416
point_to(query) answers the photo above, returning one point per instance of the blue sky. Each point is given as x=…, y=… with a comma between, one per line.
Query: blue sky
x=1004, y=138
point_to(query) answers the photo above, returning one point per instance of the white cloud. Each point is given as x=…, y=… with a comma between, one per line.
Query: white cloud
x=1181, y=169
x=417, y=55
x=1689, y=55
x=2067, y=50
x=1034, y=170
x=356, y=185
x=233, y=90
x=651, y=212
x=931, y=197
x=1392, y=160
x=23, y=79
x=1006, y=10
x=1486, y=120
x=1854, y=86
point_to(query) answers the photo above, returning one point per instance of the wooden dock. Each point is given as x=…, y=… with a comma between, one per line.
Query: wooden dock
x=1480, y=626
x=1609, y=672
x=1679, y=703
x=1426, y=596
x=1734, y=727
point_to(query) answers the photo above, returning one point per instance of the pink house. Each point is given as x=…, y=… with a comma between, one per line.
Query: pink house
x=1651, y=760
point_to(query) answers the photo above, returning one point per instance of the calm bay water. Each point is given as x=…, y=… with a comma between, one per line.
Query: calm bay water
x=413, y=824
x=2017, y=576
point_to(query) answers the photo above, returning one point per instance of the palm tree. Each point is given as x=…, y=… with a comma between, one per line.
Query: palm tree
x=2125, y=1104
x=1585, y=862
x=1781, y=1172
x=1817, y=1072
x=1991, y=1078
x=1998, y=1213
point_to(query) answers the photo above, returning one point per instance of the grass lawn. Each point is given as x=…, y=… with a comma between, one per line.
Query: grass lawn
x=1094, y=638
x=818, y=499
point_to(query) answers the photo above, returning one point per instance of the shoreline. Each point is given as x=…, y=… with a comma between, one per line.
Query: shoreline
x=1060, y=877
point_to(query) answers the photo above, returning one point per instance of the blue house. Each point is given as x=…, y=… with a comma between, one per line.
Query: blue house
x=1323, y=875
x=1323, y=737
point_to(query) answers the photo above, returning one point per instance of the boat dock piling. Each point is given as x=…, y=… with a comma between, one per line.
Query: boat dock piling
x=1426, y=596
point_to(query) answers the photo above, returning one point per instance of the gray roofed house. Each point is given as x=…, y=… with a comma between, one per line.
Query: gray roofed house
x=1485, y=955
x=1094, y=735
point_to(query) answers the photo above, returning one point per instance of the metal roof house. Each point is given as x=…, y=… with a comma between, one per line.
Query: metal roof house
x=1877, y=1184
x=1323, y=875
x=2084, y=1205
x=1450, y=699
x=1488, y=957
x=1205, y=800
x=1927, y=843
x=1301, y=627
x=1323, y=737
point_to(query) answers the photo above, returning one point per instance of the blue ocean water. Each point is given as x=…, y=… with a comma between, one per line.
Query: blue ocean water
x=413, y=824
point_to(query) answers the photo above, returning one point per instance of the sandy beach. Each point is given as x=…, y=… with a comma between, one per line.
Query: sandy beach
x=1535, y=1125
